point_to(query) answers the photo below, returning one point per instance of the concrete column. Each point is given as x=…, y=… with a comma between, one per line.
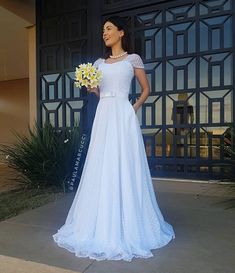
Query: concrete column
x=32, y=76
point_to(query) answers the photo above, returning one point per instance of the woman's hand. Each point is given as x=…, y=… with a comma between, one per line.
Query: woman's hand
x=93, y=90
x=136, y=107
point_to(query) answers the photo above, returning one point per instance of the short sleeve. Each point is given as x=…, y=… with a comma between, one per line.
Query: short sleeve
x=136, y=61
x=97, y=62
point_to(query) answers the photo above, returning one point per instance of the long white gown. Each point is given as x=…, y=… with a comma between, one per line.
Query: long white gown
x=114, y=214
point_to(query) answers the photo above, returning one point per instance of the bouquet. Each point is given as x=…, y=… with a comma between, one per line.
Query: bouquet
x=87, y=75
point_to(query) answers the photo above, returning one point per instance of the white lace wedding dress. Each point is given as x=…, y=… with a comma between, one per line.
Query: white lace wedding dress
x=115, y=214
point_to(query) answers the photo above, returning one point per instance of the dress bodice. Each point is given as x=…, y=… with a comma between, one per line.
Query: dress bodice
x=117, y=76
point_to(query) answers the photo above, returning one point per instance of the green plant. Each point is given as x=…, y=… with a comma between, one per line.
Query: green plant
x=229, y=152
x=45, y=157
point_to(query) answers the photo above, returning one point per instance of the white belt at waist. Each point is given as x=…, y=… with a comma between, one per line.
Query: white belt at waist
x=113, y=94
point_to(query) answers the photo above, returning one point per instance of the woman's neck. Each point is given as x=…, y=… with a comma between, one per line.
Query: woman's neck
x=116, y=50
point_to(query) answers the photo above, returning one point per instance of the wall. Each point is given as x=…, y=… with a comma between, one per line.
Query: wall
x=14, y=108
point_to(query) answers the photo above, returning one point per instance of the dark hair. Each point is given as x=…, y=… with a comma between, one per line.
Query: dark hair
x=122, y=24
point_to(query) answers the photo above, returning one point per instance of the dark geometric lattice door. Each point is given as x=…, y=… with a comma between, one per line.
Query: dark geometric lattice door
x=188, y=52
x=62, y=44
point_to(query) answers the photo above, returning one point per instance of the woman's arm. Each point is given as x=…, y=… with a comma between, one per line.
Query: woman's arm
x=143, y=81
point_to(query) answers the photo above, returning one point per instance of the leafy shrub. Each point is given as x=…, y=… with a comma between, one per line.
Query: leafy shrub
x=45, y=158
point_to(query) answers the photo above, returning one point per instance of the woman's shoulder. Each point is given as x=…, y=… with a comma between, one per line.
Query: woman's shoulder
x=136, y=60
x=98, y=61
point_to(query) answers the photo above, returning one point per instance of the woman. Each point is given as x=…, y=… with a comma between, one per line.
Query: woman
x=115, y=214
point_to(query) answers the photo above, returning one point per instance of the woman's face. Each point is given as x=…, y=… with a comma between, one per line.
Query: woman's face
x=111, y=34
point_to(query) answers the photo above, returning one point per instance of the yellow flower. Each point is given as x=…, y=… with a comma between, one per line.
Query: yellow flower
x=78, y=75
x=87, y=74
x=92, y=78
x=92, y=70
x=84, y=82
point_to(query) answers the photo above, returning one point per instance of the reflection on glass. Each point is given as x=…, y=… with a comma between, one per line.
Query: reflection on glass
x=68, y=116
x=158, y=18
x=191, y=39
x=206, y=29
x=215, y=112
x=51, y=105
x=192, y=74
x=169, y=76
x=180, y=44
x=145, y=16
x=153, y=141
x=215, y=38
x=52, y=119
x=180, y=13
x=169, y=107
x=78, y=104
x=183, y=118
x=158, y=44
x=51, y=77
x=76, y=117
x=158, y=78
x=203, y=36
x=203, y=108
x=180, y=73
x=148, y=115
x=211, y=139
x=205, y=98
x=218, y=5
x=191, y=142
x=169, y=42
x=180, y=79
x=51, y=88
x=228, y=70
x=60, y=121
x=158, y=143
x=180, y=27
x=181, y=62
x=228, y=33
x=216, y=144
x=43, y=115
x=216, y=75
x=158, y=111
x=179, y=141
x=148, y=146
x=76, y=92
x=228, y=107
x=203, y=144
x=169, y=143
x=227, y=5
x=203, y=73
x=148, y=49
x=59, y=88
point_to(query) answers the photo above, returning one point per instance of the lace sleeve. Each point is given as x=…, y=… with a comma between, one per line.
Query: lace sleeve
x=136, y=61
x=97, y=62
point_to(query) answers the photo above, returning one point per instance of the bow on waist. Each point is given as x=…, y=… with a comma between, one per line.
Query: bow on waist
x=113, y=94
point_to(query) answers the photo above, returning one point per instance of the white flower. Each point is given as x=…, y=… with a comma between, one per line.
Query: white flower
x=66, y=140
